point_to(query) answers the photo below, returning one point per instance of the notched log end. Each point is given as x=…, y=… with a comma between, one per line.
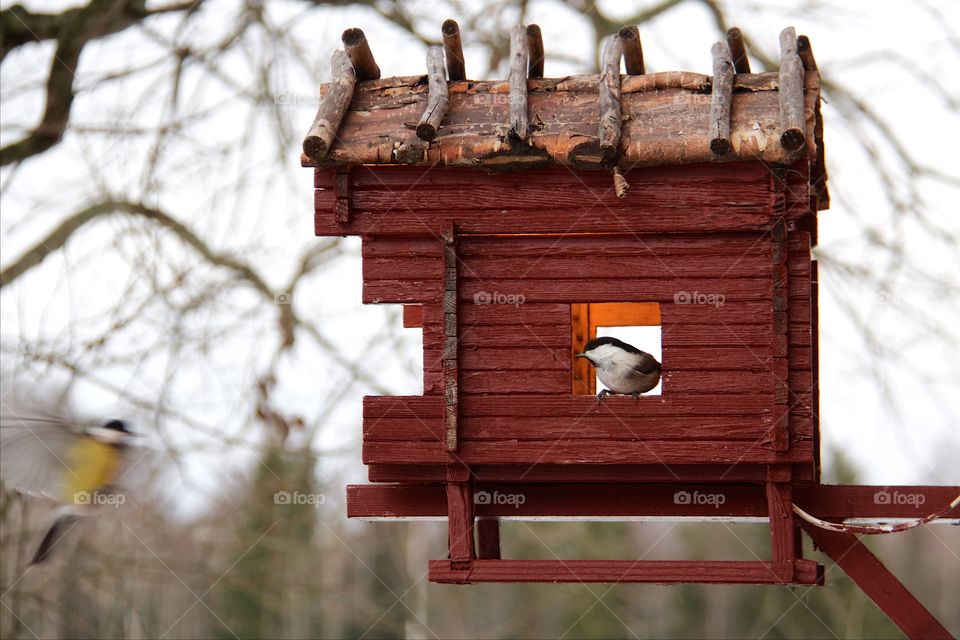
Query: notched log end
x=791, y=139
x=426, y=131
x=720, y=146
x=314, y=148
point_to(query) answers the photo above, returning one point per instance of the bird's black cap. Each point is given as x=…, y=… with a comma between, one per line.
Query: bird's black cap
x=596, y=342
x=117, y=425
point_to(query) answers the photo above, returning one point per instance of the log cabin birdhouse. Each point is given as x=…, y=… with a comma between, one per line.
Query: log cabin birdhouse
x=516, y=220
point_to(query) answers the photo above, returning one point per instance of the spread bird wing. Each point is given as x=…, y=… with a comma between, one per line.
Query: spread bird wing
x=35, y=444
x=646, y=363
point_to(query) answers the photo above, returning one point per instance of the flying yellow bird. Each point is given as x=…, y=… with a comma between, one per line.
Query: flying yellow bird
x=44, y=451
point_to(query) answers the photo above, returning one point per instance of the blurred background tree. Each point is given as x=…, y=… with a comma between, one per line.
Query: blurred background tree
x=158, y=258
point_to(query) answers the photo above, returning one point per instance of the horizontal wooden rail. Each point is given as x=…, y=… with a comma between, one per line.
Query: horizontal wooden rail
x=806, y=572
x=520, y=500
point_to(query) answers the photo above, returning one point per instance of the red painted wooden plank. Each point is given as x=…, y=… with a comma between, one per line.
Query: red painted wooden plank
x=522, y=359
x=749, y=428
x=645, y=408
x=582, y=451
x=425, y=246
x=394, y=176
x=513, y=381
x=460, y=521
x=877, y=582
x=528, y=195
x=488, y=539
x=708, y=358
x=412, y=316
x=622, y=571
x=585, y=473
x=404, y=219
x=666, y=245
x=472, y=314
x=783, y=544
x=547, y=266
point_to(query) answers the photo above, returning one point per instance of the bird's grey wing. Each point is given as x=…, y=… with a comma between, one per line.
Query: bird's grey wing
x=34, y=452
x=646, y=363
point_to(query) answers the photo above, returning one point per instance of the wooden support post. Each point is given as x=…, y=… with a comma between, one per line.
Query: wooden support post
x=356, y=46
x=806, y=53
x=519, y=62
x=610, y=117
x=792, y=123
x=877, y=582
x=341, y=187
x=535, y=47
x=460, y=518
x=332, y=107
x=488, y=539
x=449, y=357
x=632, y=50
x=452, y=47
x=439, y=100
x=780, y=343
x=720, y=98
x=738, y=51
x=783, y=538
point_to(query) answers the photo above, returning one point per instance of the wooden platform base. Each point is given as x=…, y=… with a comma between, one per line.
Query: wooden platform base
x=805, y=572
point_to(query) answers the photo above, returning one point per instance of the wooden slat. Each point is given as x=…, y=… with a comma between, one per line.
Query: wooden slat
x=582, y=451
x=488, y=539
x=453, y=50
x=622, y=571
x=610, y=497
x=706, y=474
x=877, y=582
x=460, y=521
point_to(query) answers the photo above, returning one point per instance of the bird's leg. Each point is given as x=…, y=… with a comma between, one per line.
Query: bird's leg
x=636, y=396
x=603, y=394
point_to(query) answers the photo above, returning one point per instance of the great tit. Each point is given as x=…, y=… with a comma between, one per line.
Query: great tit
x=46, y=452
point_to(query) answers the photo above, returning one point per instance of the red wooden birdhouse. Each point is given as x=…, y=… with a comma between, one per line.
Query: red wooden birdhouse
x=515, y=219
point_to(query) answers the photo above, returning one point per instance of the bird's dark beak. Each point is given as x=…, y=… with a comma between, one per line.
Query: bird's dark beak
x=580, y=355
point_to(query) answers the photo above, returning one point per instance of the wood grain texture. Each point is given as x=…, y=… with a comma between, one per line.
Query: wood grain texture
x=519, y=63
x=453, y=50
x=610, y=115
x=875, y=579
x=438, y=101
x=721, y=98
x=332, y=108
x=622, y=571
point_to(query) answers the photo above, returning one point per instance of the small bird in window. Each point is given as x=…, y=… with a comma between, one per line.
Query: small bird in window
x=622, y=367
x=47, y=452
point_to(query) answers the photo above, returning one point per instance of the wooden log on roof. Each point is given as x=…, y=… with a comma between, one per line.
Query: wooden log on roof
x=738, y=50
x=356, y=46
x=632, y=50
x=535, y=46
x=806, y=53
x=721, y=97
x=438, y=101
x=610, y=117
x=332, y=108
x=519, y=60
x=453, y=48
x=792, y=123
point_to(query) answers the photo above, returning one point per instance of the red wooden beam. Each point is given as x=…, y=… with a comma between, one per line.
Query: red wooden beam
x=806, y=572
x=877, y=582
x=828, y=502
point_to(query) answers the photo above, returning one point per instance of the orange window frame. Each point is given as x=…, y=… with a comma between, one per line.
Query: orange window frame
x=584, y=320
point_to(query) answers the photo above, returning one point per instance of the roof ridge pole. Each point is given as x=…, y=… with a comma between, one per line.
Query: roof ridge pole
x=738, y=50
x=356, y=46
x=535, y=46
x=438, y=101
x=519, y=61
x=721, y=96
x=792, y=122
x=632, y=50
x=610, y=117
x=456, y=69
x=332, y=107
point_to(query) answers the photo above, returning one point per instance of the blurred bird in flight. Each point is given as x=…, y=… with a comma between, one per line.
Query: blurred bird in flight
x=45, y=451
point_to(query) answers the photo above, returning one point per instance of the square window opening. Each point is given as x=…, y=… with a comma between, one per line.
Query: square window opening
x=636, y=323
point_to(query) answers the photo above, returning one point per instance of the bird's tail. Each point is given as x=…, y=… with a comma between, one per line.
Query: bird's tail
x=60, y=527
